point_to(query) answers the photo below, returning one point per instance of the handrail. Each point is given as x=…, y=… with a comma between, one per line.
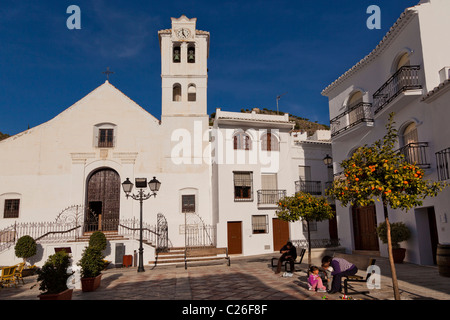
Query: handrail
x=55, y=232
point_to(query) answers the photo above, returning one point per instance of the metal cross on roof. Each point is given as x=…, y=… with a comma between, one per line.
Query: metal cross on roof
x=107, y=72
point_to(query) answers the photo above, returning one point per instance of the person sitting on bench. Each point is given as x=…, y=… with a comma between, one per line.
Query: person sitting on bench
x=341, y=268
x=288, y=253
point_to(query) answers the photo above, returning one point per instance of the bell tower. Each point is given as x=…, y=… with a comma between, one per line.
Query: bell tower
x=184, y=71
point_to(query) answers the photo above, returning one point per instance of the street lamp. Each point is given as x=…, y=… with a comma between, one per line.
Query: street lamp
x=328, y=161
x=141, y=184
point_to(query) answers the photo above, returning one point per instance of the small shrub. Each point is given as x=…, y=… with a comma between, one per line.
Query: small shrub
x=399, y=233
x=53, y=274
x=25, y=248
x=91, y=262
x=98, y=240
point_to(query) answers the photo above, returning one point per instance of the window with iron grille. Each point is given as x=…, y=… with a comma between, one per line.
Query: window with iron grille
x=243, y=186
x=312, y=226
x=106, y=138
x=188, y=203
x=11, y=208
x=260, y=224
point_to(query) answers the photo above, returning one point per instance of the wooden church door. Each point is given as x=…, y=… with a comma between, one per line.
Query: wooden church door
x=103, y=201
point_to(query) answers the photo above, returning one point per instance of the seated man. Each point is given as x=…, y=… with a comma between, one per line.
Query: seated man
x=288, y=253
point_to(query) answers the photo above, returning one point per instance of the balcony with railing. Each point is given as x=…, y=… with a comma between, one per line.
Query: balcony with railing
x=416, y=153
x=307, y=186
x=442, y=163
x=353, y=116
x=270, y=198
x=405, y=81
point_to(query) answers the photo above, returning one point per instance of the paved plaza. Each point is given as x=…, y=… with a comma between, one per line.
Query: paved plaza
x=248, y=278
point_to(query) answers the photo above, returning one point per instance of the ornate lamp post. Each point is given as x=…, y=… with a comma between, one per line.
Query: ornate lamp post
x=141, y=184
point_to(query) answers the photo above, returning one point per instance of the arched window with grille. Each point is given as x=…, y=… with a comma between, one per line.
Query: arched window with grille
x=242, y=141
x=270, y=142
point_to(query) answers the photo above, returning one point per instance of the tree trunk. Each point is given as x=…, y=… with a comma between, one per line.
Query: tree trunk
x=391, y=258
x=309, y=245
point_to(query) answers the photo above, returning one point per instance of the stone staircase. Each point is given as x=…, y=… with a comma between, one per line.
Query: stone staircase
x=175, y=256
x=110, y=235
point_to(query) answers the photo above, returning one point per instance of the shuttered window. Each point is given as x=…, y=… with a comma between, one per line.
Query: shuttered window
x=260, y=224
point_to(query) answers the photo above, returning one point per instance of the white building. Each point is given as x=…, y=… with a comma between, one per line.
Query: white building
x=407, y=73
x=257, y=160
x=63, y=178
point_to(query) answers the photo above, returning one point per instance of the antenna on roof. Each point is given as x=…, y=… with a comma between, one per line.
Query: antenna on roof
x=278, y=98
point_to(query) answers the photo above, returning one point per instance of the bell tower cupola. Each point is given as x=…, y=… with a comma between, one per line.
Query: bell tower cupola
x=184, y=70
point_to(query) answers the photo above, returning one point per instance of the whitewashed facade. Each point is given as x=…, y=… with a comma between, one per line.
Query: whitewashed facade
x=70, y=169
x=407, y=73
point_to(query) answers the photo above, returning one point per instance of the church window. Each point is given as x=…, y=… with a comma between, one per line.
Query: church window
x=192, y=92
x=176, y=54
x=188, y=203
x=176, y=92
x=191, y=54
x=106, y=138
x=11, y=208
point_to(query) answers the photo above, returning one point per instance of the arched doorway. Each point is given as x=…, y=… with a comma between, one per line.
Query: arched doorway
x=102, y=201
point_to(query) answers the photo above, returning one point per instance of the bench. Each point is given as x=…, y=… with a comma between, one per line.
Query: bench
x=297, y=261
x=205, y=254
x=356, y=278
x=362, y=263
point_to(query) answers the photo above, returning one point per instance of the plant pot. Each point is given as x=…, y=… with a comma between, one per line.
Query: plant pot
x=90, y=284
x=398, y=255
x=65, y=295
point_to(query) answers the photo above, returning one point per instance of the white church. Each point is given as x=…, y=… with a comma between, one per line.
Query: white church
x=220, y=183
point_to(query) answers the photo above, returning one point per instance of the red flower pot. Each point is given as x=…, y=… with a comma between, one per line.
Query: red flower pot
x=90, y=284
x=65, y=295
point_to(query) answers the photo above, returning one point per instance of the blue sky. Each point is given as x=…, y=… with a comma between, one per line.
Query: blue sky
x=259, y=49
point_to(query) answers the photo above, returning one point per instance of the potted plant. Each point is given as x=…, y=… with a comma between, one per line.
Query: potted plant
x=25, y=248
x=399, y=233
x=91, y=264
x=53, y=278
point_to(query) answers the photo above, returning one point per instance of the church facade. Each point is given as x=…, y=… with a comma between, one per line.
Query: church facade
x=61, y=180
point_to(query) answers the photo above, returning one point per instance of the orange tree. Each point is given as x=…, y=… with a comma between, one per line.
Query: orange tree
x=380, y=173
x=304, y=206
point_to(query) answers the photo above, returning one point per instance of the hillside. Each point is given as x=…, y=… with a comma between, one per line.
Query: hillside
x=3, y=136
x=300, y=123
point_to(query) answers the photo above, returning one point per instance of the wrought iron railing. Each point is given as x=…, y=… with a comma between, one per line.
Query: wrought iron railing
x=442, y=163
x=406, y=78
x=270, y=196
x=311, y=187
x=201, y=236
x=416, y=153
x=361, y=112
x=131, y=228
